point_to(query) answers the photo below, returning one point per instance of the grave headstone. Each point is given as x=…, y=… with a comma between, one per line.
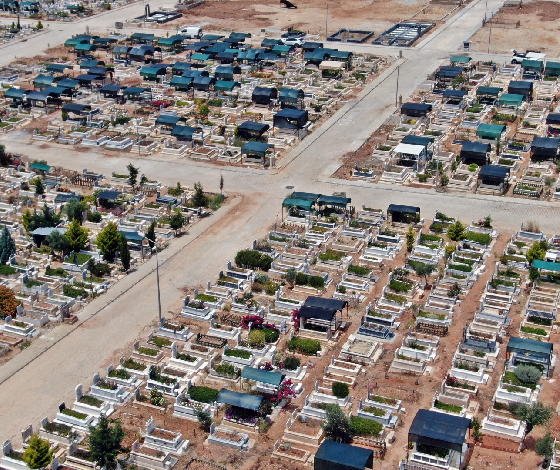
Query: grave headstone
x=62, y=407
x=95, y=379
x=79, y=392
x=19, y=310
x=150, y=426
x=8, y=319
x=136, y=345
x=84, y=274
x=110, y=369
x=7, y=447
x=174, y=349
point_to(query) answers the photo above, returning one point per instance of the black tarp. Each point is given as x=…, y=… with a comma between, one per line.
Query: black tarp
x=289, y=118
x=317, y=313
x=493, y=174
x=333, y=455
x=417, y=140
x=545, y=147
x=321, y=302
x=439, y=429
x=250, y=129
x=416, y=109
x=402, y=209
x=521, y=87
x=553, y=119
x=263, y=95
x=475, y=152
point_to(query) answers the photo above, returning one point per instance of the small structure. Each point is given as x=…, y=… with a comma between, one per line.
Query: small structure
x=153, y=72
x=298, y=205
x=545, y=148
x=438, y=440
x=488, y=94
x=475, y=152
x=267, y=381
x=494, y=177
x=264, y=95
x=490, y=131
x=416, y=109
x=333, y=455
x=291, y=98
x=318, y=317
x=255, y=152
x=402, y=213
x=289, y=119
x=252, y=130
x=524, y=350
x=509, y=100
x=552, y=69
x=521, y=87
x=411, y=155
x=185, y=133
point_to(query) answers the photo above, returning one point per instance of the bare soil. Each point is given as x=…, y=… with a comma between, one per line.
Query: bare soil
x=538, y=29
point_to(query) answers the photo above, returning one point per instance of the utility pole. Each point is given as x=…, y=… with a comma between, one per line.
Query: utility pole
x=327, y=23
x=490, y=34
x=157, y=277
x=397, y=90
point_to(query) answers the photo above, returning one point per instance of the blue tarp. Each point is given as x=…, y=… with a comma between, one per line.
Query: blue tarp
x=439, y=429
x=333, y=455
x=261, y=375
x=241, y=400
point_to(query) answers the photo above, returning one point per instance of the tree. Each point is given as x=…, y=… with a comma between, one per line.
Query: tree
x=204, y=110
x=424, y=270
x=105, y=442
x=7, y=246
x=444, y=180
x=76, y=236
x=57, y=242
x=39, y=186
x=476, y=426
x=537, y=251
x=176, y=221
x=38, y=453
x=75, y=209
x=221, y=184
x=548, y=183
x=204, y=418
x=536, y=414
x=132, y=174
x=449, y=250
x=534, y=275
x=26, y=220
x=544, y=448
x=337, y=425
x=527, y=373
x=39, y=25
x=108, y=241
x=199, y=199
x=290, y=276
x=125, y=253
x=456, y=231
x=151, y=234
x=340, y=389
x=410, y=233
x=8, y=302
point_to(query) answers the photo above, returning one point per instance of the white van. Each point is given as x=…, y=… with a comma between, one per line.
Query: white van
x=191, y=32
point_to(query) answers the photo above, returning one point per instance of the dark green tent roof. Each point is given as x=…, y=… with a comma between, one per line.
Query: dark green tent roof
x=168, y=120
x=334, y=201
x=16, y=93
x=85, y=47
x=171, y=40
x=104, y=41
x=525, y=345
x=40, y=167
x=201, y=57
x=135, y=90
x=241, y=400
x=307, y=196
x=255, y=148
x=528, y=64
x=290, y=95
x=301, y=203
x=509, y=99
x=57, y=68
x=225, y=85
x=552, y=68
x=152, y=72
x=281, y=49
x=488, y=90
x=490, y=131
x=75, y=41
x=261, y=375
x=333, y=455
x=43, y=80
x=181, y=82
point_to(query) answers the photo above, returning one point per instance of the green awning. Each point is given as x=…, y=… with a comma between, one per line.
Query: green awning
x=548, y=265
x=509, y=99
x=40, y=167
x=488, y=90
x=261, y=375
x=16, y=93
x=280, y=49
x=300, y=203
x=528, y=64
x=334, y=201
x=181, y=83
x=171, y=41
x=552, y=68
x=306, y=196
x=72, y=42
x=290, y=95
x=201, y=57
x=490, y=131
x=225, y=85
x=530, y=346
x=459, y=59
x=43, y=81
x=85, y=47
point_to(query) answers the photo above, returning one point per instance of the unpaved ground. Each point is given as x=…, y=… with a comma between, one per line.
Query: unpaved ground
x=538, y=30
x=311, y=15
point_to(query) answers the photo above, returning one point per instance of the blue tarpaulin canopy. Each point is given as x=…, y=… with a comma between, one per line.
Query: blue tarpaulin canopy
x=289, y=118
x=549, y=266
x=416, y=109
x=203, y=83
x=87, y=64
x=201, y=57
x=490, y=131
x=185, y=132
x=225, y=85
x=255, y=148
x=43, y=81
x=16, y=93
x=459, y=59
x=321, y=302
x=40, y=167
x=261, y=375
x=334, y=201
x=37, y=96
x=250, y=129
x=333, y=455
x=530, y=346
x=493, y=173
x=181, y=83
x=417, y=140
x=55, y=91
x=439, y=429
x=269, y=43
x=108, y=195
x=545, y=146
x=241, y=400
x=112, y=88
x=68, y=83
x=300, y=203
x=509, y=99
x=180, y=67
x=97, y=71
x=76, y=108
x=454, y=93
x=475, y=152
x=86, y=78
x=135, y=90
x=168, y=120
x=57, y=68
x=307, y=196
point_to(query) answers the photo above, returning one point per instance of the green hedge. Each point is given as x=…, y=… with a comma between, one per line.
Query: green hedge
x=238, y=353
x=340, y=389
x=481, y=238
x=203, y=394
x=399, y=286
x=359, y=270
x=364, y=427
x=533, y=331
x=309, y=347
x=317, y=282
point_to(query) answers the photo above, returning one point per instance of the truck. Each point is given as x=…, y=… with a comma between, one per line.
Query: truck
x=191, y=32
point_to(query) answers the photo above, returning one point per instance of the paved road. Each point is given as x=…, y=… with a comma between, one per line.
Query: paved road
x=49, y=370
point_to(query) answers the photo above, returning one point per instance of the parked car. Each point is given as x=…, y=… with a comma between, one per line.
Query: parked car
x=293, y=41
x=518, y=57
x=294, y=34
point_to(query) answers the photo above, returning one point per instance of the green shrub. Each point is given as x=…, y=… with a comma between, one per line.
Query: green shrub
x=447, y=407
x=540, y=320
x=58, y=272
x=160, y=342
x=533, y=331
x=238, y=353
x=309, y=347
x=148, y=351
x=203, y=394
x=399, y=286
x=318, y=282
x=527, y=374
x=332, y=255
x=340, y=389
x=291, y=363
x=6, y=270
x=252, y=259
x=256, y=339
x=460, y=267
x=359, y=270
x=225, y=368
x=481, y=238
x=74, y=292
x=365, y=427
x=270, y=335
